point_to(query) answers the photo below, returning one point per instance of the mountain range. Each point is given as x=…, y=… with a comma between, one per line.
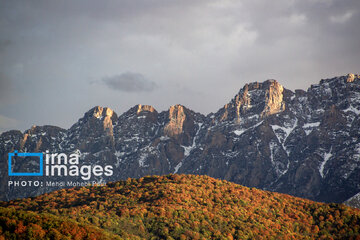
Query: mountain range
x=303, y=143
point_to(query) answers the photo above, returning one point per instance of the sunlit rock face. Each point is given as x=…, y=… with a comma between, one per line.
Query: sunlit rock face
x=304, y=143
x=255, y=99
x=274, y=99
x=98, y=120
x=351, y=77
x=147, y=111
x=177, y=118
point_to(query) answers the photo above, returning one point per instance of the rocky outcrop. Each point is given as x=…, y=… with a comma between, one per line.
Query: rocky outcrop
x=263, y=99
x=304, y=143
x=147, y=111
x=274, y=99
x=351, y=77
x=354, y=201
x=177, y=118
x=106, y=117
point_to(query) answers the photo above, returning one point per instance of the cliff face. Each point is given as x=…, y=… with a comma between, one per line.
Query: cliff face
x=274, y=99
x=304, y=143
x=176, y=121
x=262, y=99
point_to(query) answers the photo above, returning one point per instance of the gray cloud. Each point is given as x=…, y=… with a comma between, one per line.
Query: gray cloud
x=5, y=88
x=50, y=50
x=4, y=44
x=7, y=123
x=129, y=82
x=4, y=82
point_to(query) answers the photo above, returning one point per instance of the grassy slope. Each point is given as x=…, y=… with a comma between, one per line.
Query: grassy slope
x=191, y=207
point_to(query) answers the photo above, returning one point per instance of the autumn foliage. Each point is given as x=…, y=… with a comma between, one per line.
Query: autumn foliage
x=175, y=207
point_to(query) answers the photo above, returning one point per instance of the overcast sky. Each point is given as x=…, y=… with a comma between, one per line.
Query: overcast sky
x=58, y=58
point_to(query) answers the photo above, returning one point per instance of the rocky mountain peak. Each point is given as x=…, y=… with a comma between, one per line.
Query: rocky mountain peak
x=352, y=77
x=146, y=111
x=260, y=99
x=339, y=81
x=100, y=112
x=96, y=122
x=107, y=116
x=260, y=85
x=145, y=108
x=42, y=130
x=177, y=118
x=310, y=149
x=273, y=99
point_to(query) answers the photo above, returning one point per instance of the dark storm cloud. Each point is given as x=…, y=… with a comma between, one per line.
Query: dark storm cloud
x=129, y=82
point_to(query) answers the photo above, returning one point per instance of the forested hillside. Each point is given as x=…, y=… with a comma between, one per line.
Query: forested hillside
x=175, y=207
